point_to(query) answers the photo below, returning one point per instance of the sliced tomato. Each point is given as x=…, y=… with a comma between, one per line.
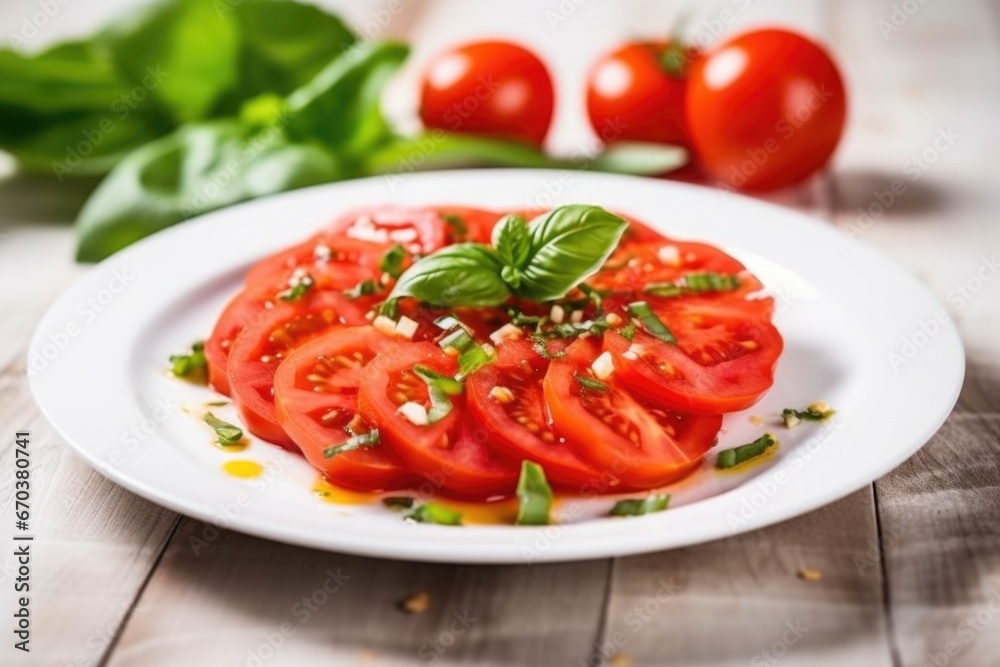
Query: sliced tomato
x=641, y=444
x=340, y=262
x=316, y=401
x=723, y=360
x=636, y=266
x=505, y=397
x=419, y=230
x=340, y=267
x=451, y=453
x=259, y=347
x=468, y=224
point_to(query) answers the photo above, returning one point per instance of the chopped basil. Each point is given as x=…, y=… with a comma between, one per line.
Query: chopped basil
x=695, y=283
x=730, y=458
x=459, y=230
x=640, y=506
x=389, y=308
x=652, y=323
x=356, y=441
x=434, y=513
x=398, y=503
x=591, y=383
x=628, y=331
x=364, y=288
x=534, y=496
x=392, y=261
x=440, y=388
x=191, y=366
x=541, y=347
x=226, y=434
x=471, y=355
x=519, y=319
x=815, y=412
x=297, y=288
x=593, y=294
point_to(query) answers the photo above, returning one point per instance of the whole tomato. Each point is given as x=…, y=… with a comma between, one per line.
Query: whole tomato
x=637, y=92
x=489, y=88
x=765, y=109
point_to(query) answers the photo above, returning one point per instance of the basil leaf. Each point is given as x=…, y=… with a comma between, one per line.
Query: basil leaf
x=568, y=245
x=512, y=240
x=392, y=261
x=591, y=383
x=226, y=434
x=363, y=288
x=356, y=441
x=192, y=366
x=466, y=274
x=434, y=513
x=653, y=324
x=640, y=506
x=640, y=158
x=695, y=283
x=534, y=496
x=440, y=388
x=730, y=458
x=297, y=288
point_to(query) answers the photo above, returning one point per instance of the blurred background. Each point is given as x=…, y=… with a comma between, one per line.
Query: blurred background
x=900, y=157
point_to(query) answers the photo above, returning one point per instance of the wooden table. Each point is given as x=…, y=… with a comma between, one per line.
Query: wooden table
x=908, y=569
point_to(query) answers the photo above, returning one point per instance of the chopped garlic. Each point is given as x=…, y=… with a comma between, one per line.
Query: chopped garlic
x=489, y=349
x=322, y=253
x=576, y=316
x=414, y=413
x=603, y=366
x=557, y=314
x=384, y=325
x=819, y=408
x=506, y=331
x=406, y=327
x=631, y=354
x=614, y=319
x=502, y=395
x=669, y=254
x=791, y=421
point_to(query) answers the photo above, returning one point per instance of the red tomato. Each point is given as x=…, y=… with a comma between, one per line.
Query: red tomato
x=469, y=224
x=316, y=399
x=765, y=109
x=642, y=445
x=518, y=421
x=343, y=268
x=451, y=453
x=420, y=231
x=492, y=88
x=723, y=361
x=258, y=348
x=637, y=92
x=635, y=266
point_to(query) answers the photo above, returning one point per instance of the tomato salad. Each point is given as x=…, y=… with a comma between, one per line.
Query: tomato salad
x=491, y=354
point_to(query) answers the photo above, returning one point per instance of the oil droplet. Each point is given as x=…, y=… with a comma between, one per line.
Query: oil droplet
x=500, y=513
x=341, y=496
x=243, y=469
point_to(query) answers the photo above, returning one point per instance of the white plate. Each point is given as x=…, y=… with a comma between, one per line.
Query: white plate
x=860, y=333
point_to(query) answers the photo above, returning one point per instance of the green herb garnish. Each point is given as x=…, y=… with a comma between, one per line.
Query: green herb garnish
x=695, y=283
x=392, y=261
x=363, y=288
x=541, y=347
x=388, y=308
x=730, y=458
x=534, y=496
x=298, y=286
x=653, y=324
x=459, y=230
x=640, y=506
x=471, y=355
x=591, y=383
x=191, y=366
x=541, y=261
x=398, y=503
x=356, y=441
x=628, y=331
x=440, y=389
x=434, y=513
x=814, y=412
x=226, y=434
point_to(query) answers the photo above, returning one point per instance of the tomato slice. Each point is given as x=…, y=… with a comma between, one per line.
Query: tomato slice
x=451, y=453
x=634, y=266
x=421, y=231
x=258, y=348
x=340, y=262
x=505, y=397
x=350, y=263
x=468, y=224
x=641, y=444
x=723, y=361
x=316, y=402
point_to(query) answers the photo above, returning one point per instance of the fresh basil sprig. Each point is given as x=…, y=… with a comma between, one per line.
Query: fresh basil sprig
x=541, y=261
